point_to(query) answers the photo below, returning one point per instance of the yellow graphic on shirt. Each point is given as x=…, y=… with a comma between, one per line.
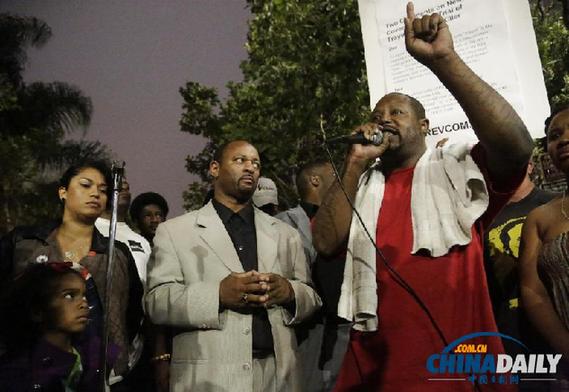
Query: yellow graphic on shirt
x=506, y=237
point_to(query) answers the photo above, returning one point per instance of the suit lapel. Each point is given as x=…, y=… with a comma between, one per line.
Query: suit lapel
x=213, y=233
x=267, y=240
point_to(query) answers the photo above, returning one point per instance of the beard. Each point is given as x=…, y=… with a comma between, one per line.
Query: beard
x=244, y=195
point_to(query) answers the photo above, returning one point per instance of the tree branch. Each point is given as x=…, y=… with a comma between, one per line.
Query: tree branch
x=539, y=7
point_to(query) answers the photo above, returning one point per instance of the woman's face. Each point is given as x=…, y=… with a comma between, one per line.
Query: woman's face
x=86, y=194
x=558, y=141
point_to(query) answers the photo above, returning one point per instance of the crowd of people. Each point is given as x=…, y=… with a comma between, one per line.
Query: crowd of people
x=406, y=250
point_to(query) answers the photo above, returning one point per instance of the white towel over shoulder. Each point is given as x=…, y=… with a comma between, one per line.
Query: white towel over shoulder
x=448, y=194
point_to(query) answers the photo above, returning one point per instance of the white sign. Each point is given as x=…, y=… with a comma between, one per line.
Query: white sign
x=494, y=37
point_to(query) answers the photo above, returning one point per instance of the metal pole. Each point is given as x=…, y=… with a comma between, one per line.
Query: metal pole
x=117, y=172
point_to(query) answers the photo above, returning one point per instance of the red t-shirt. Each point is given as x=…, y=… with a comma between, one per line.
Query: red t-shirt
x=453, y=287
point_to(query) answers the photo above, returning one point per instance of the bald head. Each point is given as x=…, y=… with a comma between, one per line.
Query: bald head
x=235, y=170
x=218, y=154
x=313, y=180
x=417, y=106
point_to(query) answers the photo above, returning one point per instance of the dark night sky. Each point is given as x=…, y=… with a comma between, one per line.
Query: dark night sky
x=131, y=57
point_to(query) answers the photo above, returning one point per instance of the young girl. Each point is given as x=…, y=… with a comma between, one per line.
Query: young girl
x=83, y=192
x=43, y=315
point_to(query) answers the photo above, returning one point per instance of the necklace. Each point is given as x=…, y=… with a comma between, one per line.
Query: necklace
x=563, y=205
x=73, y=249
x=74, y=255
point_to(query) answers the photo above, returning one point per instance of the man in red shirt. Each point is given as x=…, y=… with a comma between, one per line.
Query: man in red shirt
x=393, y=356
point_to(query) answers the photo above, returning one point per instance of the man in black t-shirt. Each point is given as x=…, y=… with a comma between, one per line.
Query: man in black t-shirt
x=502, y=244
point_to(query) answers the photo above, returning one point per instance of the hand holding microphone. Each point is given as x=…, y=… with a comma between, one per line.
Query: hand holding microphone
x=357, y=138
x=368, y=142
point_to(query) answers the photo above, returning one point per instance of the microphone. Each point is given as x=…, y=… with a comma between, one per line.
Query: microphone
x=358, y=138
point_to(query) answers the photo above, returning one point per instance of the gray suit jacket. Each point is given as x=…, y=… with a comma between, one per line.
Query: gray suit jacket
x=192, y=254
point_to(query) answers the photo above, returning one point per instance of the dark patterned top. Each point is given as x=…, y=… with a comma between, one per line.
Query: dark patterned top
x=553, y=267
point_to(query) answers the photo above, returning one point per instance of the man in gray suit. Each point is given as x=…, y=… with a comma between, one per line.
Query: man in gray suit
x=235, y=281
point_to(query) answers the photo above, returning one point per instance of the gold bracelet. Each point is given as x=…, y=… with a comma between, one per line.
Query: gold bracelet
x=162, y=357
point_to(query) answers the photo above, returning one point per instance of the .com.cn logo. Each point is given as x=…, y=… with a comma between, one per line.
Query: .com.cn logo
x=464, y=360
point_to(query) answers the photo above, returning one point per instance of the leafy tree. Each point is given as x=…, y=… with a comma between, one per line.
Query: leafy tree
x=551, y=24
x=16, y=34
x=305, y=67
x=34, y=120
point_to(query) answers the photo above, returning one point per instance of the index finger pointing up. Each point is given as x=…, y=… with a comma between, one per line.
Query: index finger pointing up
x=408, y=21
x=410, y=11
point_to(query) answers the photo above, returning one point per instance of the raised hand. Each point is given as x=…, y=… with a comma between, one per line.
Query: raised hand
x=427, y=39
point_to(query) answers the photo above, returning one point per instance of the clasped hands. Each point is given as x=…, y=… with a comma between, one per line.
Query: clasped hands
x=254, y=289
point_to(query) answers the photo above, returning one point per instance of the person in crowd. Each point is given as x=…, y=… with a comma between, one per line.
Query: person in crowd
x=543, y=255
x=312, y=182
x=326, y=340
x=147, y=211
x=137, y=244
x=44, y=313
x=426, y=211
x=501, y=248
x=83, y=193
x=234, y=281
x=266, y=197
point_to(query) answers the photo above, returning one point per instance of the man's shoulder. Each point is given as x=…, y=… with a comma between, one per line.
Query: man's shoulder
x=295, y=217
x=131, y=235
x=286, y=216
x=546, y=212
x=293, y=212
x=543, y=196
x=125, y=235
x=275, y=222
x=181, y=220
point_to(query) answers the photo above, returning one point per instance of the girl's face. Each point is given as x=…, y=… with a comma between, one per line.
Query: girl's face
x=86, y=194
x=68, y=306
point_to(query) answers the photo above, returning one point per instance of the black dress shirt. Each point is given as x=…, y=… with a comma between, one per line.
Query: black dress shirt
x=241, y=229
